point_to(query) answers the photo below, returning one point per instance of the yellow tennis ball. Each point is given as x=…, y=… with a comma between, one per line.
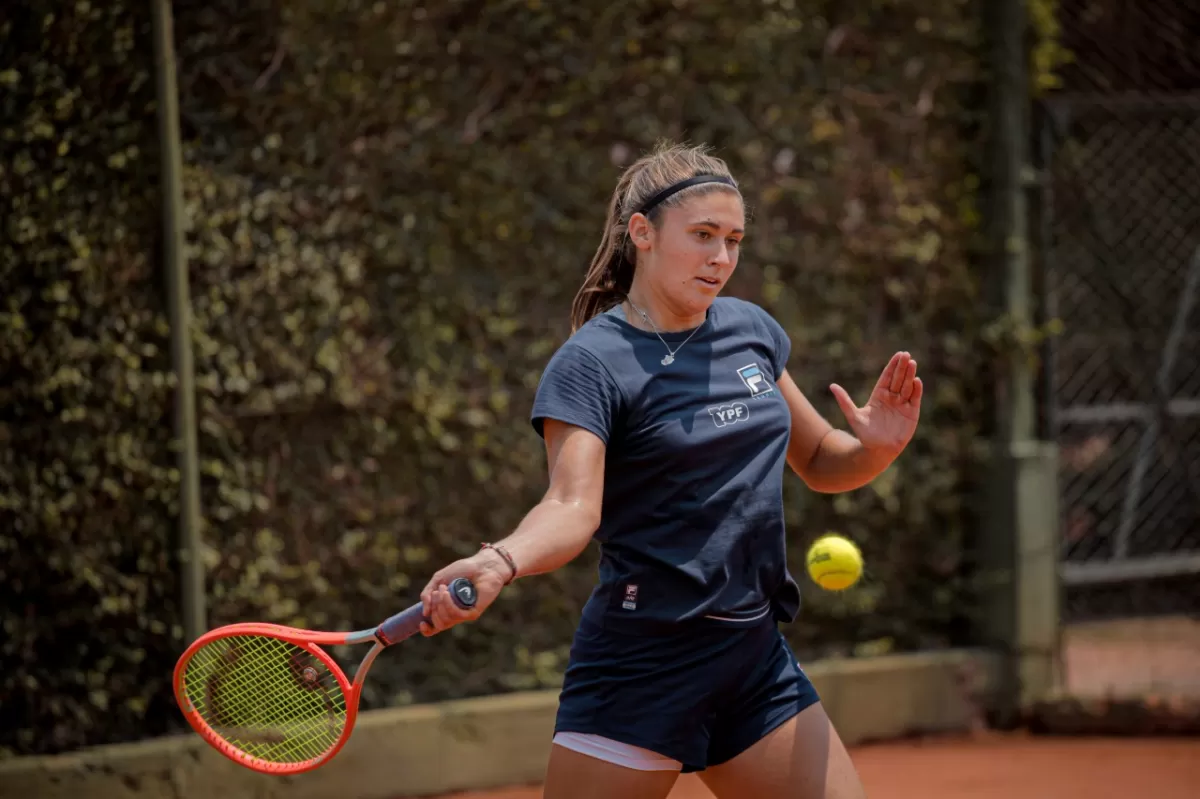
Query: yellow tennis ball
x=834, y=562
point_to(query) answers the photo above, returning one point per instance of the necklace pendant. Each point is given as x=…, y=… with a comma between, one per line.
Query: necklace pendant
x=668, y=360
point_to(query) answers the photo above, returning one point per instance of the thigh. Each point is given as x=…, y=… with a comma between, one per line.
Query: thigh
x=804, y=758
x=574, y=775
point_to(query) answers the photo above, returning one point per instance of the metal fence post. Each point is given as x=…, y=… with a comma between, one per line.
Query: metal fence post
x=1019, y=534
x=179, y=310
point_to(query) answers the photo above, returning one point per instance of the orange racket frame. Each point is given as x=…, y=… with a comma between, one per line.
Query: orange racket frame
x=392, y=631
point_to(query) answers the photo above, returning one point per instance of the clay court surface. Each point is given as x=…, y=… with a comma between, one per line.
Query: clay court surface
x=1135, y=657
x=1001, y=767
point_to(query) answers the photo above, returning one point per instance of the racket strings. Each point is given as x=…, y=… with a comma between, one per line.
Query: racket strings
x=268, y=698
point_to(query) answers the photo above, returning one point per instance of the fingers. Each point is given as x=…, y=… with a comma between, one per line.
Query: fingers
x=910, y=376
x=889, y=373
x=440, y=615
x=445, y=613
x=428, y=591
x=438, y=605
x=844, y=402
x=899, y=366
x=918, y=390
x=428, y=602
x=899, y=376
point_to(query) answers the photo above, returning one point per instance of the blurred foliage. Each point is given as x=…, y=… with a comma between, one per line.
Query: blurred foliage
x=1047, y=55
x=88, y=593
x=391, y=206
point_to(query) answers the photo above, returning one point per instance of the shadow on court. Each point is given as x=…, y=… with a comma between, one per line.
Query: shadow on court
x=1000, y=767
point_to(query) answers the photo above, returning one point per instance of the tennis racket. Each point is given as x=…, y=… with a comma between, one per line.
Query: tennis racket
x=269, y=698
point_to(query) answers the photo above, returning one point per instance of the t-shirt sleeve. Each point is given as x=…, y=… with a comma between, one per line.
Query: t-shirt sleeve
x=781, y=343
x=577, y=389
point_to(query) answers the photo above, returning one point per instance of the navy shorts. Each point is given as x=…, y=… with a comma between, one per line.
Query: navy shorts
x=700, y=696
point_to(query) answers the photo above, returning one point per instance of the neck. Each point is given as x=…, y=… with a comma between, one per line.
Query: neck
x=660, y=311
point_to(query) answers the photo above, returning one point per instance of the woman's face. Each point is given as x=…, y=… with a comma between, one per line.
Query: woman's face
x=690, y=256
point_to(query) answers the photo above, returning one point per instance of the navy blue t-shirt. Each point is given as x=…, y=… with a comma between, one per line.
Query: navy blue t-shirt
x=692, y=525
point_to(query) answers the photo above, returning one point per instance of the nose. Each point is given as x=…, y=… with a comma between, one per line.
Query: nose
x=721, y=256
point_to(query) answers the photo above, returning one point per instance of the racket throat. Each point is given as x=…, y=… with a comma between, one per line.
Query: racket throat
x=365, y=666
x=373, y=635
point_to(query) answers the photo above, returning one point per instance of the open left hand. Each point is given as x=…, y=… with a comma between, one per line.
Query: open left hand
x=889, y=419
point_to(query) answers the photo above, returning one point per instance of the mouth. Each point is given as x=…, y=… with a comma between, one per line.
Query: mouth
x=712, y=282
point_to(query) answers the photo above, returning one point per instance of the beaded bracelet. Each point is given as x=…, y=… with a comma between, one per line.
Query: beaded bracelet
x=502, y=552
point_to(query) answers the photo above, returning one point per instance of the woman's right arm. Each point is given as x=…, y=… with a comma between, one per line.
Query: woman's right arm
x=552, y=534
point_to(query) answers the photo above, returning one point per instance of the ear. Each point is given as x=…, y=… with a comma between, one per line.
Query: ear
x=641, y=232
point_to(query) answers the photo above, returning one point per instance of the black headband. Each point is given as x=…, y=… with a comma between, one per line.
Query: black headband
x=680, y=186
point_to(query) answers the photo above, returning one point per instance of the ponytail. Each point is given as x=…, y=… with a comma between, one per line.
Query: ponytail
x=611, y=272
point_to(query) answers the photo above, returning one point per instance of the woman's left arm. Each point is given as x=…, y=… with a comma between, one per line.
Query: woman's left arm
x=830, y=460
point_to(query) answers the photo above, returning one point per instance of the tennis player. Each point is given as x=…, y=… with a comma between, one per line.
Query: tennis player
x=668, y=417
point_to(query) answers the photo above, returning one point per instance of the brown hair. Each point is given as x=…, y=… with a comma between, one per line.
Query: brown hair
x=611, y=272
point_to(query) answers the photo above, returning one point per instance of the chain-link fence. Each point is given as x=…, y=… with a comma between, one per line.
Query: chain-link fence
x=1119, y=47
x=1120, y=230
x=1122, y=265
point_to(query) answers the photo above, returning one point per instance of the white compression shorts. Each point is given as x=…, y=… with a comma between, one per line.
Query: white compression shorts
x=615, y=752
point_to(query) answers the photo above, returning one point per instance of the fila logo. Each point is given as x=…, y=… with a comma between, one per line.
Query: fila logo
x=755, y=380
x=729, y=414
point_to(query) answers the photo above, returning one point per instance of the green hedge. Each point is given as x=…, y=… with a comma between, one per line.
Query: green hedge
x=392, y=205
x=88, y=593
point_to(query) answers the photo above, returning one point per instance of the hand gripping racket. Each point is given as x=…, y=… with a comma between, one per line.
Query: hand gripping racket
x=270, y=699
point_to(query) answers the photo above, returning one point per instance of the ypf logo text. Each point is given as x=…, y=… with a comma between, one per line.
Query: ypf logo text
x=729, y=414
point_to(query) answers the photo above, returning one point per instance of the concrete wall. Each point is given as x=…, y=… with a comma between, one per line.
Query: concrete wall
x=487, y=742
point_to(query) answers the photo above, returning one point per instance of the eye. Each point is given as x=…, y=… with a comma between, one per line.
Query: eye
x=703, y=234
x=734, y=242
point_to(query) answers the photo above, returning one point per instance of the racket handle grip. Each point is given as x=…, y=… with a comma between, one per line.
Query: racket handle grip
x=407, y=623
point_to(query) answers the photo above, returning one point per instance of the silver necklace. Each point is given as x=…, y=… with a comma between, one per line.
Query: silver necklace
x=669, y=358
